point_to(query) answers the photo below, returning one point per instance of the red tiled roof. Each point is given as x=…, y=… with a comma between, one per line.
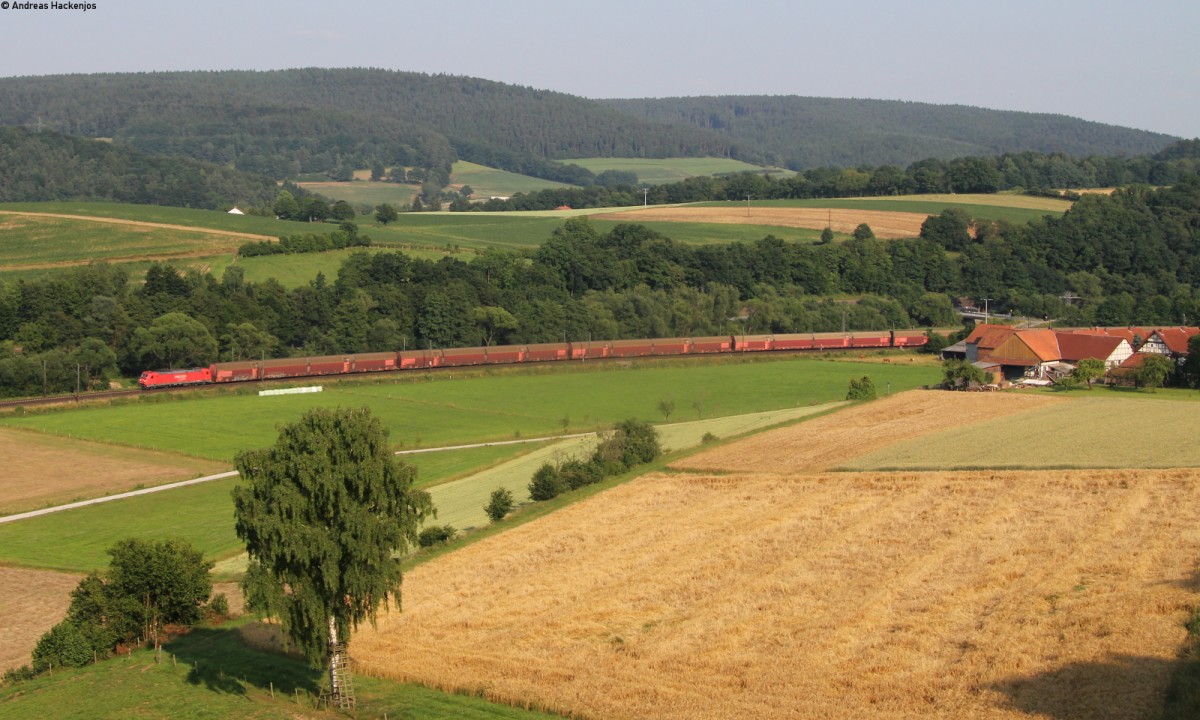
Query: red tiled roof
x=987, y=337
x=1074, y=347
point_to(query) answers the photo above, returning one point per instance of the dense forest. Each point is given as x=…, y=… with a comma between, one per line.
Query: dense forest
x=43, y=166
x=287, y=122
x=1132, y=257
x=806, y=132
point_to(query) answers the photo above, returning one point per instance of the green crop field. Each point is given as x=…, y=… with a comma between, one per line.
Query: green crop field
x=213, y=219
x=450, y=408
x=364, y=192
x=488, y=182
x=1113, y=431
x=658, y=171
x=213, y=673
x=720, y=233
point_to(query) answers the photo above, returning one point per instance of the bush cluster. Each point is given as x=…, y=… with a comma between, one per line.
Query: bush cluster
x=345, y=236
x=436, y=535
x=631, y=443
x=861, y=389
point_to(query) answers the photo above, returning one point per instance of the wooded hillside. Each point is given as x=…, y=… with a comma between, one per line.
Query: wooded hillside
x=334, y=120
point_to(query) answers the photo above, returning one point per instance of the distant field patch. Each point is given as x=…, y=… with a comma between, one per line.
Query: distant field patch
x=30, y=241
x=885, y=224
x=932, y=595
x=659, y=171
x=487, y=182
x=1075, y=433
x=364, y=192
x=300, y=269
x=42, y=470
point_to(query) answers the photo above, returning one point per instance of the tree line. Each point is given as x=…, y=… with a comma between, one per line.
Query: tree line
x=1132, y=257
x=1033, y=172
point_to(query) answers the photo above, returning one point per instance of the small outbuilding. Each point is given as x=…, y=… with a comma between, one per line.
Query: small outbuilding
x=235, y=211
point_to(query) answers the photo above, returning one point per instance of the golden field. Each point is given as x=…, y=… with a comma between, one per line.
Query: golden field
x=755, y=585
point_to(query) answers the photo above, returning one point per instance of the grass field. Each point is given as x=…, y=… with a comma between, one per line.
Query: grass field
x=31, y=602
x=1013, y=208
x=43, y=470
x=448, y=408
x=489, y=182
x=658, y=171
x=364, y=192
x=773, y=589
x=213, y=673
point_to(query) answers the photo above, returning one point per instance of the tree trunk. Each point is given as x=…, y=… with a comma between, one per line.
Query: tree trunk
x=334, y=660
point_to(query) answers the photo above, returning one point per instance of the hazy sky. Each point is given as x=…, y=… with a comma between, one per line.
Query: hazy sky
x=1127, y=63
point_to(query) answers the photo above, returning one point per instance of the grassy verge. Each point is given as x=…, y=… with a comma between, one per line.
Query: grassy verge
x=213, y=673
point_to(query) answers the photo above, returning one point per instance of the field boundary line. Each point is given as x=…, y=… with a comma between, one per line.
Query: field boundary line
x=119, y=496
x=141, y=223
x=494, y=444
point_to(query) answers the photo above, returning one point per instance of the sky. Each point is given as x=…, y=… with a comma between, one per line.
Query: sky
x=1134, y=64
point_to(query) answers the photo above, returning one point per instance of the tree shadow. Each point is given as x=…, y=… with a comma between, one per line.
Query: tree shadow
x=222, y=662
x=1106, y=689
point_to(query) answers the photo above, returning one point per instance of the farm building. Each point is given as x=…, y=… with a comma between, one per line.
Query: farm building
x=236, y=211
x=1172, y=342
x=1038, y=353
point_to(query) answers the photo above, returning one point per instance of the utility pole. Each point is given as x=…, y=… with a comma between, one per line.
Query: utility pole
x=985, y=310
x=747, y=206
x=645, y=197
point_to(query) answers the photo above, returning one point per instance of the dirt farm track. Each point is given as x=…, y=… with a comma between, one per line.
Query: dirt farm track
x=884, y=224
x=756, y=589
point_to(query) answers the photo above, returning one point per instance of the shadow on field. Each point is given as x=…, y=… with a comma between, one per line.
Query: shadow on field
x=222, y=662
x=1110, y=689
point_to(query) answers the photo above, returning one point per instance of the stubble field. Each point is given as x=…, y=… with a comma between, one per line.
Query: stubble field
x=756, y=585
x=885, y=224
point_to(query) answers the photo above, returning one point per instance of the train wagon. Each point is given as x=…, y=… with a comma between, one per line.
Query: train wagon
x=723, y=343
x=458, y=357
x=545, y=352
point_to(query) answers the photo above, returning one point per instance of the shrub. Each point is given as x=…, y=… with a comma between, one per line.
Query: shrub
x=709, y=439
x=546, y=483
x=501, y=504
x=436, y=535
x=218, y=606
x=16, y=675
x=63, y=645
x=577, y=473
x=861, y=389
x=631, y=443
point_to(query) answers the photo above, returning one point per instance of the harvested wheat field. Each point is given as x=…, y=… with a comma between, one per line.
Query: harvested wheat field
x=944, y=595
x=828, y=441
x=885, y=224
x=31, y=602
x=41, y=470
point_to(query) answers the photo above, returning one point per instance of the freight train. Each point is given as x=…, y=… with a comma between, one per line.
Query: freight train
x=297, y=367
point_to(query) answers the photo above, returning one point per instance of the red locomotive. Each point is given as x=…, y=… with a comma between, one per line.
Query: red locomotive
x=247, y=370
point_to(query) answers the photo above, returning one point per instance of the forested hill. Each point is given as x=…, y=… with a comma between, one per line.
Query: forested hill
x=314, y=120
x=39, y=166
x=806, y=132
x=335, y=120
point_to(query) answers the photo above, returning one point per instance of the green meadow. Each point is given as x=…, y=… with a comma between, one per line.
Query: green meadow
x=1012, y=208
x=488, y=182
x=452, y=407
x=658, y=171
x=364, y=192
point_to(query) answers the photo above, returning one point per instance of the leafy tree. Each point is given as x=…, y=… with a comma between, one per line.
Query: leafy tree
x=342, y=211
x=245, y=340
x=1154, y=371
x=499, y=504
x=175, y=339
x=1088, y=371
x=386, y=213
x=286, y=207
x=631, y=443
x=863, y=232
x=466, y=191
x=493, y=323
x=95, y=360
x=326, y=514
x=666, y=406
x=169, y=578
x=826, y=236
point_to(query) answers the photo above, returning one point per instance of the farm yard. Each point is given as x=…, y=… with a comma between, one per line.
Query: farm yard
x=760, y=585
